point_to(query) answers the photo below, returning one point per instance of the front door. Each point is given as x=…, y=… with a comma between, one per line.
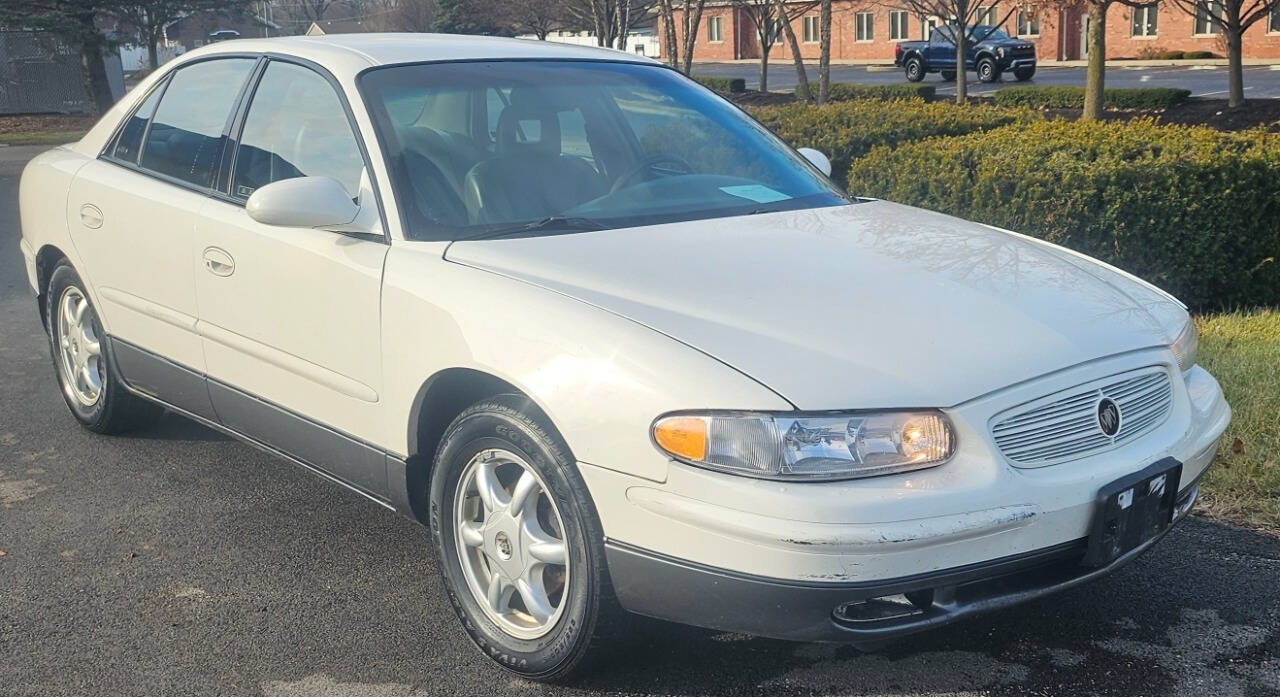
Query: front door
x=289, y=317
x=133, y=215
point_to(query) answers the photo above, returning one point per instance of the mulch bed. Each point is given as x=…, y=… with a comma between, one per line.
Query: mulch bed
x=44, y=123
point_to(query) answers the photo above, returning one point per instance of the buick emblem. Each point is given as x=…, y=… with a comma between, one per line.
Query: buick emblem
x=1108, y=417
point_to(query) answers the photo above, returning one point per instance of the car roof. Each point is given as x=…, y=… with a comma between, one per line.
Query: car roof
x=354, y=52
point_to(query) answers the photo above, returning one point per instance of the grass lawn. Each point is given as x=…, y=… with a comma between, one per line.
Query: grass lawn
x=1242, y=350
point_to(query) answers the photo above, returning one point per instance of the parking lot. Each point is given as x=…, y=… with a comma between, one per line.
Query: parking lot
x=177, y=561
x=1203, y=80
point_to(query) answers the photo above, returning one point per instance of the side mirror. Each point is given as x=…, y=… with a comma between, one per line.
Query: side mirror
x=302, y=202
x=816, y=158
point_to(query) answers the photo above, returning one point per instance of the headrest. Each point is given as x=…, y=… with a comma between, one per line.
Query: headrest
x=528, y=129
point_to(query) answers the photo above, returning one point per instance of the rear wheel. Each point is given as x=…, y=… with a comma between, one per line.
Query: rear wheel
x=948, y=76
x=81, y=358
x=1024, y=74
x=914, y=69
x=987, y=70
x=521, y=549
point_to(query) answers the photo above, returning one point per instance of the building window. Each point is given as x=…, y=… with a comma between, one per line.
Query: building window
x=639, y=49
x=1144, y=21
x=1028, y=23
x=898, y=25
x=986, y=15
x=927, y=25
x=1273, y=25
x=714, y=33
x=1208, y=18
x=811, y=30
x=864, y=26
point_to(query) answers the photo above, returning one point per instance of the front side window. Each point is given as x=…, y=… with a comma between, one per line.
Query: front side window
x=296, y=127
x=864, y=27
x=1144, y=21
x=898, y=25
x=1208, y=17
x=608, y=145
x=713, y=30
x=129, y=141
x=185, y=139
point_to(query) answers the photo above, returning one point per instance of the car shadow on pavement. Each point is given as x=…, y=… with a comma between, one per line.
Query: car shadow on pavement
x=175, y=427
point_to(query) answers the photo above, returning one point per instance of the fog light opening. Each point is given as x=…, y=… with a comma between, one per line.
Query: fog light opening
x=886, y=607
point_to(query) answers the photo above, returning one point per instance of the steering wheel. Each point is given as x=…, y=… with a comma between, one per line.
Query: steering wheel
x=647, y=164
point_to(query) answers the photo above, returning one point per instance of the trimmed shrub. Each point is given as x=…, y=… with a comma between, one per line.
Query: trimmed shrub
x=1061, y=97
x=845, y=130
x=845, y=91
x=1192, y=209
x=1197, y=55
x=722, y=84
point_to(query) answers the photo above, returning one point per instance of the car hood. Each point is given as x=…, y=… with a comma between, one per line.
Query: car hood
x=871, y=305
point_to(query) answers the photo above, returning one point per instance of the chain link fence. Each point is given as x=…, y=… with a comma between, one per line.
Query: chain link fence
x=41, y=74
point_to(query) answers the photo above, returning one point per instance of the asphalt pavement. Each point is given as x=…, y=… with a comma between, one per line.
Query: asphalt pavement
x=179, y=562
x=1203, y=80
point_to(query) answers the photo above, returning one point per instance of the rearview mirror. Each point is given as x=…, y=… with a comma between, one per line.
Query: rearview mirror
x=302, y=202
x=817, y=159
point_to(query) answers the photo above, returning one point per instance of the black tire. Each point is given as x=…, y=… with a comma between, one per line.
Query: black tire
x=1024, y=74
x=116, y=410
x=591, y=616
x=988, y=71
x=914, y=68
x=948, y=76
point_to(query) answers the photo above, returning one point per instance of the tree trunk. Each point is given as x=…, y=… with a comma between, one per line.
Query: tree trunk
x=802, y=80
x=962, y=75
x=94, y=72
x=669, y=45
x=764, y=68
x=691, y=34
x=824, y=51
x=1095, y=75
x=153, y=52
x=1235, y=69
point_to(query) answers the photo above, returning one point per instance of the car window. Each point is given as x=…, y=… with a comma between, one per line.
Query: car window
x=296, y=127
x=185, y=138
x=129, y=140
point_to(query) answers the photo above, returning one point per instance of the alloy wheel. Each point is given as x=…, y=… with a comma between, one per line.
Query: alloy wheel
x=79, y=348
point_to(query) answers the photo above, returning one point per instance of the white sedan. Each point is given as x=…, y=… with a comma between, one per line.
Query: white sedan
x=615, y=343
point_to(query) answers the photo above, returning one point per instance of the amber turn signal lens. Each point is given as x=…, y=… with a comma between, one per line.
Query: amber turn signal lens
x=682, y=436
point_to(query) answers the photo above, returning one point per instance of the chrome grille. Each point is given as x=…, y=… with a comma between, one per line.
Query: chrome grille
x=1064, y=426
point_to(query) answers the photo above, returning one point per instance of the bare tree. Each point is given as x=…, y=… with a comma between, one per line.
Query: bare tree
x=537, y=17
x=1232, y=18
x=802, y=78
x=610, y=19
x=764, y=18
x=824, y=50
x=412, y=16
x=692, y=20
x=958, y=26
x=150, y=17
x=666, y=18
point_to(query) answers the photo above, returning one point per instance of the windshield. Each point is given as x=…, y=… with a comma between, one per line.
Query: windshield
x=489, y=147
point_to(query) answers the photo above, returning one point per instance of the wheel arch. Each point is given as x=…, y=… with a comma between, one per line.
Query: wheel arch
x=47, y=258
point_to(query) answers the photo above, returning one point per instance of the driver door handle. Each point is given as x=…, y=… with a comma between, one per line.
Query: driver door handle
x=218, y=262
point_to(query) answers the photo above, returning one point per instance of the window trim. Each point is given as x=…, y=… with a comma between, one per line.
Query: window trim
x=1143, y=11
x=716, y=22
x=1017, y=24
x=817, y=30
x=1213, y=30
x=905, y=35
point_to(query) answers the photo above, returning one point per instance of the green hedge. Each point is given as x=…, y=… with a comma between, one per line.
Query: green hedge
x=1161, y=54
x=1191, y=209
x=722, y=84
x=845, y=130
x=844, y=91
x=1041, y=97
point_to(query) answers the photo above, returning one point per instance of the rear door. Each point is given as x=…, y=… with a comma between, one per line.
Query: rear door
x=132, y=216
x=290, y=317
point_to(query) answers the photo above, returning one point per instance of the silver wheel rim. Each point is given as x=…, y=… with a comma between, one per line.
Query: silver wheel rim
x=79, y=348
x=510, y=540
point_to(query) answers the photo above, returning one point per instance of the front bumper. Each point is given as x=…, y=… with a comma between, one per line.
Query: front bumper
x=866, y=614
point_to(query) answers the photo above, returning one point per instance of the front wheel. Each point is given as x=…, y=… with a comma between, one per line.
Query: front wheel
x=520, y=547
x=987, y=70
x=1024, y=74
x=915, y=69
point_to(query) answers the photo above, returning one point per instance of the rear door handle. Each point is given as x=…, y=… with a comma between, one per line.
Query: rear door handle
x=218, y=262
x=91, y=216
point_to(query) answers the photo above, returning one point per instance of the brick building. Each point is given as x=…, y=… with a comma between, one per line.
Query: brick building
x=866, y=30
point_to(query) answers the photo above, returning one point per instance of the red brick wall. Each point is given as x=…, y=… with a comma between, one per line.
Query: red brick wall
x=1059, y=38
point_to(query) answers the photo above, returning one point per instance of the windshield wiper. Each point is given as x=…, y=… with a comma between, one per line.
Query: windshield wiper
x=561, y=223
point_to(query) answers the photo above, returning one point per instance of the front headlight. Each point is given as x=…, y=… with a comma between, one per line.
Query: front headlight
x=1000, y=51
x=811, y=447
x=1186, y=346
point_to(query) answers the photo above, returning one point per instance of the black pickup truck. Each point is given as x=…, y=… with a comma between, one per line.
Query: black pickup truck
x=988, y=51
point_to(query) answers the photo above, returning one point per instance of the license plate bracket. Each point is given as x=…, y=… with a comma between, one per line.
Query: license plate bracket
x=1132, y=510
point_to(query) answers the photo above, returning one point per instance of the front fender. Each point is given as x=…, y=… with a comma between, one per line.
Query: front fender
x=599, y=377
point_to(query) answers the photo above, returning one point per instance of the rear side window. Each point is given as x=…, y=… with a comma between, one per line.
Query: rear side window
x=185, y=139
x=296, y=127
x=129, y=142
